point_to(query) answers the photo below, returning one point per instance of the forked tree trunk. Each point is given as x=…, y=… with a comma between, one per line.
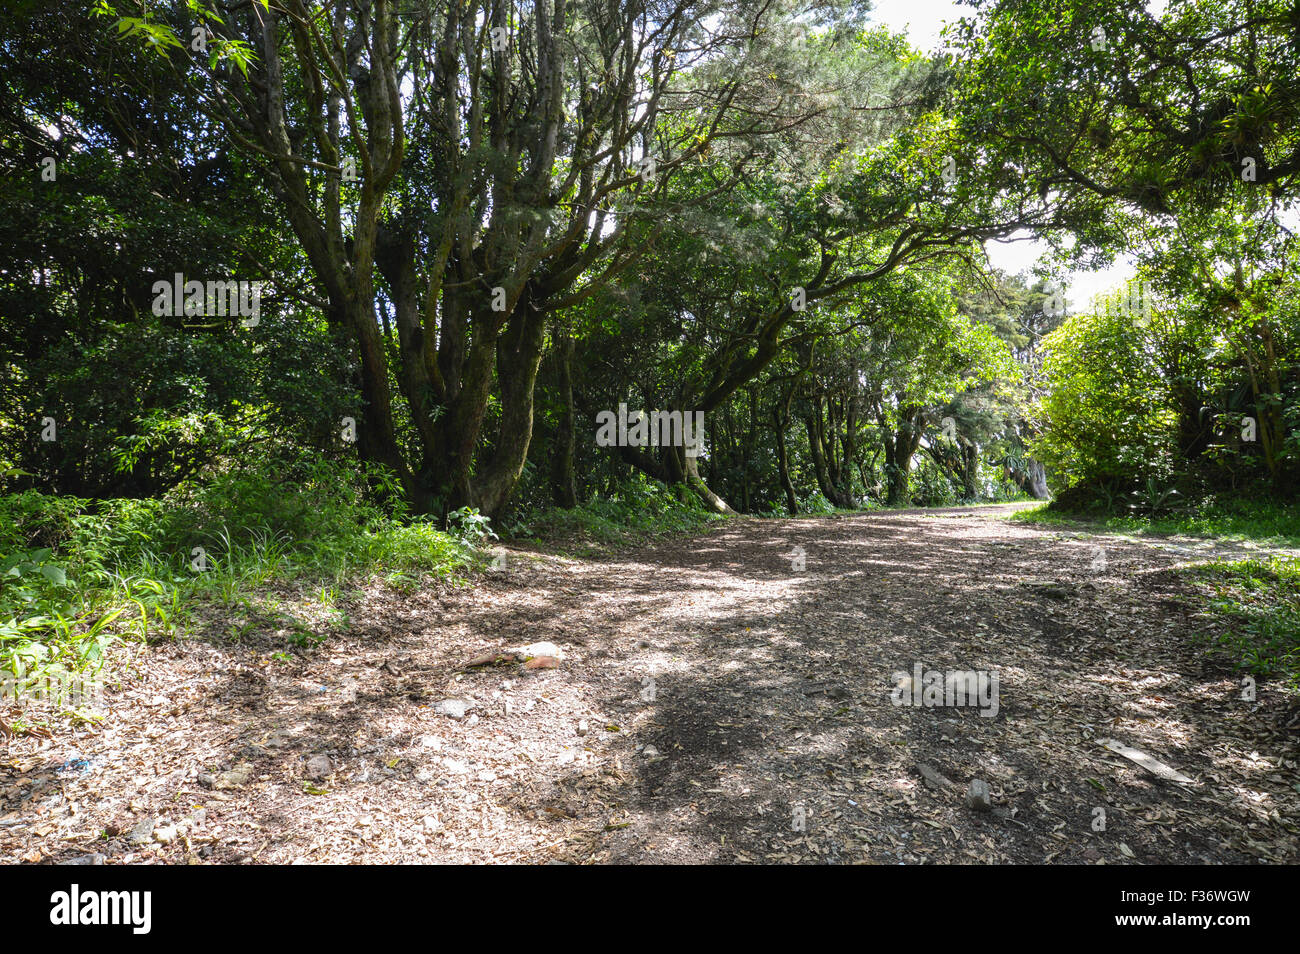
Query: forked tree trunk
x=519, y=355
x=817, y=448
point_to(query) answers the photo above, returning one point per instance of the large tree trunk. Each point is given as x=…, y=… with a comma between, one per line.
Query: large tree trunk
x=519, y=355
x=817, y=448
x=899, y=451
x=376, y=440
x=460, y=426
x=1037, y=480
x=896, y=482
x=969, y=469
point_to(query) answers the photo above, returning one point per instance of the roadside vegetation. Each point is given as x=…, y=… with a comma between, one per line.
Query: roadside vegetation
x=78, y=574
x=1265, y=524
x=1253, y=610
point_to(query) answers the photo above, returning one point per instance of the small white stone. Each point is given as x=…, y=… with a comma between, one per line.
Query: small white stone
x=454, y=708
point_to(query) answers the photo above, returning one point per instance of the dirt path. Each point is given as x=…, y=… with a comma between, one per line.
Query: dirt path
x=714, y=704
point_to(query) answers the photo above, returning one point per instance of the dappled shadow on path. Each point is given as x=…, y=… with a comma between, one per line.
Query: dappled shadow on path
x=728, y=698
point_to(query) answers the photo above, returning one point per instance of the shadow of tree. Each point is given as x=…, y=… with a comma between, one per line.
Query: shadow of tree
x=764, y=695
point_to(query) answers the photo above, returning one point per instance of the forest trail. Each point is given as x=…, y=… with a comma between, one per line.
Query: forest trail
x=715, y=703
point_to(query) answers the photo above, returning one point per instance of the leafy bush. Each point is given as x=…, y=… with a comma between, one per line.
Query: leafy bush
x=470, y=527
x=816, y=502
x=1105, y=421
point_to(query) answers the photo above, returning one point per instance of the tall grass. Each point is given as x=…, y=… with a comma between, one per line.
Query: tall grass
x=77, y=574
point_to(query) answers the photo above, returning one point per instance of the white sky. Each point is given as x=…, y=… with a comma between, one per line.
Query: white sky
x=922, y=20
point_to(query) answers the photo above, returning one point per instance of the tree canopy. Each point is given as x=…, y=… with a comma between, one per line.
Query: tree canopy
x=474, y=226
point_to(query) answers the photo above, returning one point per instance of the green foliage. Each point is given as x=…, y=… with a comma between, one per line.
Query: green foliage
x=1132, y=103
x=1262, y=522
x=77, y=573
x=816, y=503
x=470, y=527
x=1106, y=418
x=803, y=156
x=1255, y=606
x=639, y=510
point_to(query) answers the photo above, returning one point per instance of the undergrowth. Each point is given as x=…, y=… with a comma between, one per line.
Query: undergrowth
x=77, y=574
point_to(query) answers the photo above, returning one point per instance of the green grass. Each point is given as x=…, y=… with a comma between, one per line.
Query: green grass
x=77, y=575
x=1267, y=523
x=638, y=512
x=1254, y=606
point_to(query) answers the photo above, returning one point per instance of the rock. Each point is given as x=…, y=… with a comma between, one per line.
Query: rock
x=977, y=795
x=649, y=751
x=453, y=708
x=543, y=662
x=583, y=728
x=95, y=859
x=319, y=766
x=165, y=834
x=237, y=776
x=933, y=778
x=206, y=779
x=142, y=833
x=541, y=649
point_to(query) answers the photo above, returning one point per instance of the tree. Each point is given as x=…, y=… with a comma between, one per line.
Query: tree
x=1154, y=112
x=501, y=188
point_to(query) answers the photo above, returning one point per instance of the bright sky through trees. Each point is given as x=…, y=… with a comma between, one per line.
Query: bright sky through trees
x=923, y=22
